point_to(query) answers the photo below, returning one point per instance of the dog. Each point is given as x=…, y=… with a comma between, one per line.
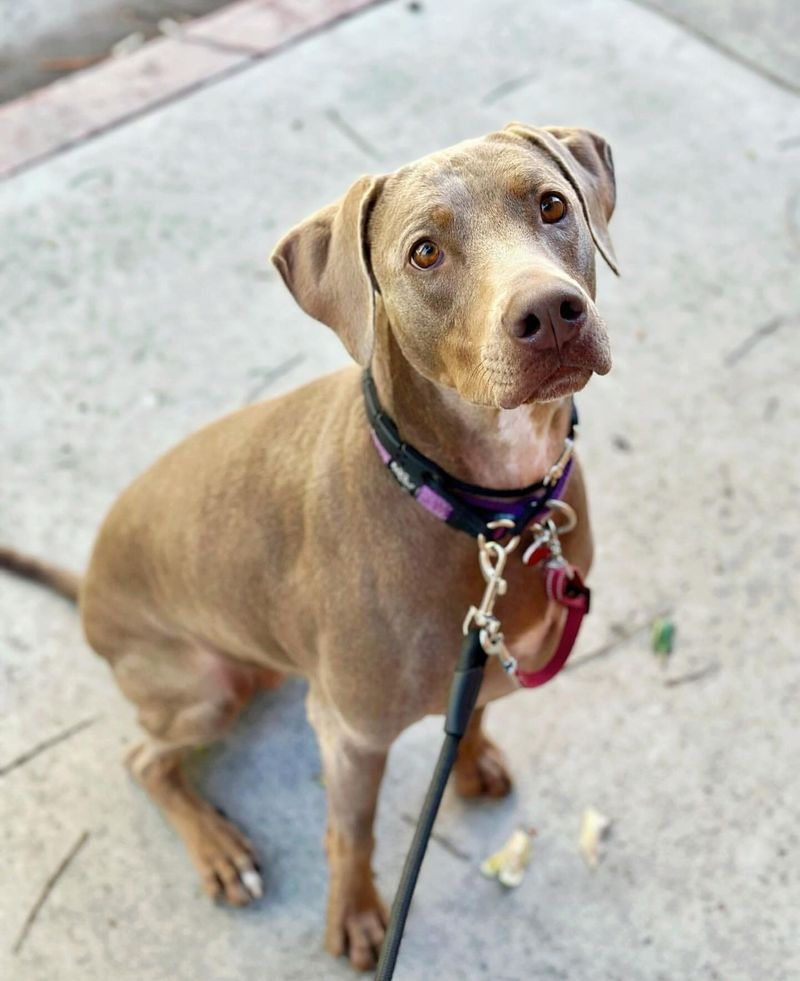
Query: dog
x=277, y=542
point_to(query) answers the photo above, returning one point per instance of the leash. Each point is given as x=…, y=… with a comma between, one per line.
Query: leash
x=464, y=691
x=489, y=516
x=463, y=695
x=483, y=637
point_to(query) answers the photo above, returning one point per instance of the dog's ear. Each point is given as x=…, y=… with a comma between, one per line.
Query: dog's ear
x=585, y=160
x=325, y=263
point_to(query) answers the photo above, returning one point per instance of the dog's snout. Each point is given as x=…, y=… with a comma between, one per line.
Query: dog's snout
x=527, y=327
x=558, y=307
x=572, y=308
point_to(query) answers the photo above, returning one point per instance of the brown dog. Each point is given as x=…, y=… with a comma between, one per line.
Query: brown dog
x=275, y=542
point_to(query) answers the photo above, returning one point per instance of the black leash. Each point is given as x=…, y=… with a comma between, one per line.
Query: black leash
x=463, y=696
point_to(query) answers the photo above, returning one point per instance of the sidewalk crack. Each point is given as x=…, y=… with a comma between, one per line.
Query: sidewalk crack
x=352, y=134
x=712, y=42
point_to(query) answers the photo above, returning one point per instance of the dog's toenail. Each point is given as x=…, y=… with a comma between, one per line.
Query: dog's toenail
x=252, y=883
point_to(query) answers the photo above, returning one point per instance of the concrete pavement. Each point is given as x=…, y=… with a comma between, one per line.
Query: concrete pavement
x=762, y=35
x=136, y=304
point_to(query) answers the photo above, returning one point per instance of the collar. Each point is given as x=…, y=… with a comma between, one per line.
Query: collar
x=467, y=507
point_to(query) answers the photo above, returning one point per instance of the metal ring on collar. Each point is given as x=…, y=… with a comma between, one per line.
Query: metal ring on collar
x=568, y=512
x=491, y=554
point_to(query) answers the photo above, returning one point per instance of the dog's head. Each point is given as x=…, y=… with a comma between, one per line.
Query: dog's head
x=482, y=257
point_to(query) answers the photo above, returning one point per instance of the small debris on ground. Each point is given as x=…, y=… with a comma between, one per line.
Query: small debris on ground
x=128, y=45
x=662, y=638
x=594, y=828
x=169, y=27
x=45, y=891
x=508, y=864
x=621, y=442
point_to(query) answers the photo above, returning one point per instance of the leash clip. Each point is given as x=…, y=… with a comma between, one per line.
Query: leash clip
x=492, y=558
x=546, y=544
x=493, y=642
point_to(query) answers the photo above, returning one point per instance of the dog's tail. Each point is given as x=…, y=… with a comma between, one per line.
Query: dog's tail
x=61, y=580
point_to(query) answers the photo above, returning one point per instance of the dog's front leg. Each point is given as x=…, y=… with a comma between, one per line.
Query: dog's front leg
x=480, y=769
x=356, y=916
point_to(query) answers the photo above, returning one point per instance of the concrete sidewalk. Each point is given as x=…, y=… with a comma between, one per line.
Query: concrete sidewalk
x=137, y=303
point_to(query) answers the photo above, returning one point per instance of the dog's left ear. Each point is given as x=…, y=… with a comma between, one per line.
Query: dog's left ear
x=325, y=263
x=585, y=160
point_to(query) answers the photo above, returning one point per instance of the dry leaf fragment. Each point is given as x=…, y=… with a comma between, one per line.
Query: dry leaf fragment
x=128, y=45
x=169, y=27
x=594, y=827
x=508, y=864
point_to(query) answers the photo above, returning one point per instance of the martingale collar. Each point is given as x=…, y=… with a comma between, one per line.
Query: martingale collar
x=464, y=506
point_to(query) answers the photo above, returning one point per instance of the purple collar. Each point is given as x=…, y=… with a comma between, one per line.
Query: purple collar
x=468, y=507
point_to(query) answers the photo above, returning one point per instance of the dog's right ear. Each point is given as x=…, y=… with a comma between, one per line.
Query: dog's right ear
x=325, y=263
x=585, y=160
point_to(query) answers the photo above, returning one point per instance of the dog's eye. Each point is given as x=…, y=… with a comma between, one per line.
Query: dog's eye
x=552, y=208
x=426, y=254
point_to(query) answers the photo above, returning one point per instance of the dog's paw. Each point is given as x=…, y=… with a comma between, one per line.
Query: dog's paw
x=358, y=934
x=481, y=771
x=225, y=860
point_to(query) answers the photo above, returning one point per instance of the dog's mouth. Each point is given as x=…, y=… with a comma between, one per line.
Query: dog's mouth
x=561, y=381
x=588, y=354
x=564, y=381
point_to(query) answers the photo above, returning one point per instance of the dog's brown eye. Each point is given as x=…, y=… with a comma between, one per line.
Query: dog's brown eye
x=426, y=254
x=552, y=207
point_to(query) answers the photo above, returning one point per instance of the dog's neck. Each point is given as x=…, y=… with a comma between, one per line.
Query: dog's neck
x=497, y=448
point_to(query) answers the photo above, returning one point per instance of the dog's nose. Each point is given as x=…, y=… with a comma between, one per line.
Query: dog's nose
x=551, y=314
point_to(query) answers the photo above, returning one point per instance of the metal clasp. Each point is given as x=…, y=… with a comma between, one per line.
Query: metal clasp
x=547, y=533
x=492, y=558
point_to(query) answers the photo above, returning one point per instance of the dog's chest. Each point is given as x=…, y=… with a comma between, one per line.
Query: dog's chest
x=516, y=452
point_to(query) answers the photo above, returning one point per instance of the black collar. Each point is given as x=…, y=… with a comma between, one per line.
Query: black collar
x=468, y=507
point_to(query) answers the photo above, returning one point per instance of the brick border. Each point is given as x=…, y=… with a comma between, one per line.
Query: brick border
x=49, y=120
